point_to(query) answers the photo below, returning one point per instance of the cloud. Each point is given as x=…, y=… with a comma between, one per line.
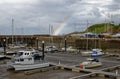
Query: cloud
x=36, y=15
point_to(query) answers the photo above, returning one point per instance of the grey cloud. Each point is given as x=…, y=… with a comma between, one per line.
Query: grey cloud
x=36, y=16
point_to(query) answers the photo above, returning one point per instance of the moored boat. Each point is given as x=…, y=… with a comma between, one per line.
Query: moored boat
x=90, y=63
x=86, y=53
x=27, y=60
x=2, y=56
x=97, y=52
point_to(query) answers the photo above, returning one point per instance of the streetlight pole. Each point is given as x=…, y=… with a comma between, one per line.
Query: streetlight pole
x=65, y=45
x=37, y=42
x=7, y=41
x=43, y=51
x=31, y=42
x=4, y=46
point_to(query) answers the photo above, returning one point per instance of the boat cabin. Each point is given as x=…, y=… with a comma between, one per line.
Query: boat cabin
x=25, y=53
x=27, y=60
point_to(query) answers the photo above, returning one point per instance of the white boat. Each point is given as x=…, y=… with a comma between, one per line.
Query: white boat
x=17, y=46
x=10, y=52
x=70, y=49
x=27, y=60
x=97, y=52
x=2, y=56
x=86, y=53
x=1, y=49
x=25, y=53
x=51, y=49
x=94, y=52
x=90, y=63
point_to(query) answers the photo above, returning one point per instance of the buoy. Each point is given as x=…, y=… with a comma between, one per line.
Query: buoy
x=81, y=66
x=59, y=63
x=116, y=72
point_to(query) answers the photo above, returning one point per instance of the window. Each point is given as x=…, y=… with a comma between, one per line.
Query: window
x=21, y=59
x=32, y=52
x=29, y=59
x=17, y=60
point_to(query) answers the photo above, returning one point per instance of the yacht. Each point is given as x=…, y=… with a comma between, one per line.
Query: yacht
x=90, y=63
x=26, y=60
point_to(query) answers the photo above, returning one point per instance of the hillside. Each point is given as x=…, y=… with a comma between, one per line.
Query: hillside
x=105, y=27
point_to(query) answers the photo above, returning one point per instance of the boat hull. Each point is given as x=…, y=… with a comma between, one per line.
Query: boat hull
x=93, y=65
x=19, y=67
x=2, y=57
x=88, y=53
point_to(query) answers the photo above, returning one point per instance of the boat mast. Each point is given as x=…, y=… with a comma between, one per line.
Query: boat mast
x=49, y=34
x=95, y=37
x=87, y=37
x=105, y=25
x=52, y=34
x=21, y=34
x=110, y=23
x=12, y=31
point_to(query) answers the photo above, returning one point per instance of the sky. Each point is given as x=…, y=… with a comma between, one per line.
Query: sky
x=55, y=17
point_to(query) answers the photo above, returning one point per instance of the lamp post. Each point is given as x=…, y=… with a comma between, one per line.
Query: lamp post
x=43, y=51
x=31, y=42
x=37, y=43
x=7, y=41
x=4, y=46
x=65, y=45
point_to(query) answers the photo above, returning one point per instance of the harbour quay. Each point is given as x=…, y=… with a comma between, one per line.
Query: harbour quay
x=65, y=64
x=66, y=68
x=76, y=42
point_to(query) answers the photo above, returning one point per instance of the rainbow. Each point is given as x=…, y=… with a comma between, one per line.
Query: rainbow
x=61, y=26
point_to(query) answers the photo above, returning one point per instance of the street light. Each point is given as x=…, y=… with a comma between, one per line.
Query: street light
x=37, y=43
x=4, y=46
x=7, y=41
x=43, y=51
x=65, y=45
x=31, y=42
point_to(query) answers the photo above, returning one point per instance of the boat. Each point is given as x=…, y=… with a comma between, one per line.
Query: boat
x=86, y=53
x=70, y=49
x=97, y=52
x=51, y=49
x=90, y=63
x=10, y=52
x=17, y=46
x=1, y=49
x=2, y=57
x=27, y=60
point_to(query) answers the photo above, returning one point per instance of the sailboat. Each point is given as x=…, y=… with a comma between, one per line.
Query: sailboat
x=92, y=62
x=96, y=51
x=86, y=53
x=14, y=43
